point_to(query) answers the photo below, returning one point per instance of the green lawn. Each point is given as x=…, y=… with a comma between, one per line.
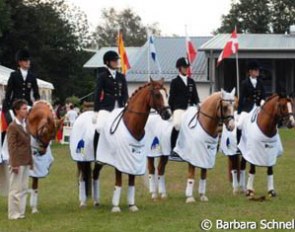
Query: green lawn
x=59, y=211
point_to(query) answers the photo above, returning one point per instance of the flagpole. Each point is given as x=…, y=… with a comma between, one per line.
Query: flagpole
x=237, y=69
x=148, y=52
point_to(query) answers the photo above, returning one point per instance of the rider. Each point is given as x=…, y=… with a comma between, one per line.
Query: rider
x=111, y=92
x=183, y=93
x=252, y=94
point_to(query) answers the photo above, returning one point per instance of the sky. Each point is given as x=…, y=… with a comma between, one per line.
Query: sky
x=200, y=16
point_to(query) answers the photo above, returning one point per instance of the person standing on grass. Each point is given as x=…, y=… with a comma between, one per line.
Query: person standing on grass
x=20, y=161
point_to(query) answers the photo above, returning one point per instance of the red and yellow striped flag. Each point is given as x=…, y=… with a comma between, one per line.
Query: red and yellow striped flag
x=123, y=55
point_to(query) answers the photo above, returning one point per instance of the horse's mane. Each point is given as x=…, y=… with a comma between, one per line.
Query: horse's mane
x=137, y=90
x=46, y=103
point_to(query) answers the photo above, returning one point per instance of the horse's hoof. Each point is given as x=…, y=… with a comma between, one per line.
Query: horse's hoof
x=116, y=209
x=95, y=204
x=190, y=200
x=163, y=196
x=83, y=204
x=35, y=210
x=133, y=208
x=272, y=193
x=250, y=193
x=154, y=196
x=203, y=198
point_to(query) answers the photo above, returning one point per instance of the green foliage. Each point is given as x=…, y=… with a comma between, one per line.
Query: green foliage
x=135, y=33
x=250, y=16
x=74, y=100
x=54, y=33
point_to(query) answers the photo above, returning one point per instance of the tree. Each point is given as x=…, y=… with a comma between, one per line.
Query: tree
x=4, y=17
x=128, y=21
x=283, y=15
x=249, y=16
x=48, y=29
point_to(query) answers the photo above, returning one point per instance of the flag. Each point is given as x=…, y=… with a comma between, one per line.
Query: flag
x=123, y=55
x=153, y=52
x=191, y=53
x=3, y=122
x=231, y=47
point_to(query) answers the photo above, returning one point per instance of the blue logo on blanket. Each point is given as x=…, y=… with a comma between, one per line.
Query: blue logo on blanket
x=80, y=147
x=227, y=142
x=268, y=146
x=155, y=144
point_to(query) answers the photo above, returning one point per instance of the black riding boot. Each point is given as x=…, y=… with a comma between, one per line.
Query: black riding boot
x=174, y=136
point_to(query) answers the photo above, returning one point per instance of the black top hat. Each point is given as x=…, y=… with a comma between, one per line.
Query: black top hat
x=22, y=54
x=253, y=65
x=182, y=62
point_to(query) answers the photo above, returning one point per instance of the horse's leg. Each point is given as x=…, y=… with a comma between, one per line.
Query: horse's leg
x=243, y=175
x=117, y=192
x=161, y=177
x=250, y=183
x=96, y=184
x=270, y=182
x=82, y=184
x=152, y=177
x=34, y=195
x=202, y=185
x=131, y=194
x=234, y=159
x=190, y=184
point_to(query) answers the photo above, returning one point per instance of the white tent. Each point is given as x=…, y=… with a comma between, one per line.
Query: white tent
x=45, y=88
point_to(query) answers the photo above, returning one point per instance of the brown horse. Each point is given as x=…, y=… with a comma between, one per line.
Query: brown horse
x=134, y=116
x=276, y=109
x=217, y=107
x=41, y=125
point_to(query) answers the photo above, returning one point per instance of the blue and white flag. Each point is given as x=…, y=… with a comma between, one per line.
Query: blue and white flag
x=153, y=52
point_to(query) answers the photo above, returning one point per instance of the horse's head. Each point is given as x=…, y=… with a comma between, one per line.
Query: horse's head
x=45, y=133
x=158, y=99
x=284, y=110
x=226, y=112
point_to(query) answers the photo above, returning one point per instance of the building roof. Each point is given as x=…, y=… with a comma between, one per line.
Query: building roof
x=168, y=49
x=5, y=73
x=97, y=59
x=251, y=42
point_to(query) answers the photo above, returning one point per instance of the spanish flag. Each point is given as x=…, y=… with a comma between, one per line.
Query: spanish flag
x=3, y=122
x=123, y=55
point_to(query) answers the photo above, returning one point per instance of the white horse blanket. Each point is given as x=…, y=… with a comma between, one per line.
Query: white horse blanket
x=256, y=147
x=228, y=140
x=194, y=145
x=120, y=149
x=158, y=133
x=81, y=138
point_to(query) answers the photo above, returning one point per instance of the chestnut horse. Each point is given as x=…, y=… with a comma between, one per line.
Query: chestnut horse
x=134, y=117
x=41, y=125
x=277, y=108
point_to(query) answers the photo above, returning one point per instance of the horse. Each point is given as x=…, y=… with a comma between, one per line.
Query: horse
x=262, y=145
x=217, y=107
x=41, y=124
x=133, y=118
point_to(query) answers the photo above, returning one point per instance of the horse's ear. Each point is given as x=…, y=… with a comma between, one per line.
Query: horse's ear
x=162, y=81
x=233, y=92
x=151, y=80
x=222, y=93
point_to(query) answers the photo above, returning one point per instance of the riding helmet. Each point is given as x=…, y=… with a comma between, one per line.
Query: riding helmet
x=22, y=55
x=110, y=56
x=182, y=62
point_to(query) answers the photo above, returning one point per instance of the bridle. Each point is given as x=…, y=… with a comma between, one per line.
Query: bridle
x=222, y=118
x=154, y=96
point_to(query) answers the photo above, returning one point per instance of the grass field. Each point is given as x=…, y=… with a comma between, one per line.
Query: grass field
x=59, y=211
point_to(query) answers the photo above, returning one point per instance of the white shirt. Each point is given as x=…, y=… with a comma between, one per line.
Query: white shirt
x=24, y=73
x=183, y=78
x=23, y=123
x=113, y=72
x=72, y=115
x=253, y=81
